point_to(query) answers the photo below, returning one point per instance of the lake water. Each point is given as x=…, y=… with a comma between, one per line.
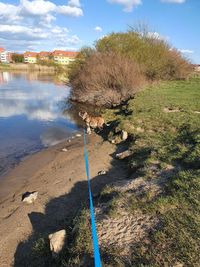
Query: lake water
x=33, y=115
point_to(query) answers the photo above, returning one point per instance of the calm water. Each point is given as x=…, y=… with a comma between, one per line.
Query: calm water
x=33, y=115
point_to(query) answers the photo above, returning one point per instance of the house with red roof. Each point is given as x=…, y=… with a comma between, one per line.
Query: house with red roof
x=64, y=57
x=44, y=55
x=58, y=56
x=30, y=57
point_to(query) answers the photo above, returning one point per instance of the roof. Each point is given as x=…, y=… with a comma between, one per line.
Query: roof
x=64, y=53
x=44, y=54
x=30, y=54
x=2, y=49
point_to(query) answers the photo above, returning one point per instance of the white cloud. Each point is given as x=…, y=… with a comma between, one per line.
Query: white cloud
x=23, y=38
x=186, y=51
x=74, y=3
x=174, y=1
x=156, y=35
x=36, y=7
x=70, y=11
x=9, y=12
x=98, y=29
x=27, y=22
x=127, y=4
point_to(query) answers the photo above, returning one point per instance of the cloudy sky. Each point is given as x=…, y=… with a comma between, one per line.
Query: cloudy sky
x=46, y=25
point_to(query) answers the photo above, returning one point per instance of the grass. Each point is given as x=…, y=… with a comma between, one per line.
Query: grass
x=167, y=139
x=166, y=148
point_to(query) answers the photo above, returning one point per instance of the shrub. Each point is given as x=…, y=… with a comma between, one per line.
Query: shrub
x=119, y=65
x=104, y=79
x=154, y=54
x=17, y=58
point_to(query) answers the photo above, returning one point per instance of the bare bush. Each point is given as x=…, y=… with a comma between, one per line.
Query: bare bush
x=106, y=79
x=155, y=55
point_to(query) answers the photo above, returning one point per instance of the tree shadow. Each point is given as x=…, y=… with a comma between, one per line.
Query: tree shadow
x=58, y=212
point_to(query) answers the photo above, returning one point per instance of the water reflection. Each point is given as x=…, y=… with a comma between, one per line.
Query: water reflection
x=5, y=77
x=31, y=114
x=26, y=94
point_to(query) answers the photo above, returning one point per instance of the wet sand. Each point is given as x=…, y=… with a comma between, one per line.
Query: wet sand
x=60, y=179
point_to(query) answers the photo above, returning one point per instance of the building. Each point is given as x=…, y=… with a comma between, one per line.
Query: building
x=30, y=57
x=43, y=55
x=197, y=68
x=5, y=56
x=64, y=57
x=58, y=56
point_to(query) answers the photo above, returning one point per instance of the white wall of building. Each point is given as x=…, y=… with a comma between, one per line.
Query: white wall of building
x=4, y=57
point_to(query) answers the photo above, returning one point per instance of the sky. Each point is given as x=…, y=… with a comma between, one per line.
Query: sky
x=39, y=25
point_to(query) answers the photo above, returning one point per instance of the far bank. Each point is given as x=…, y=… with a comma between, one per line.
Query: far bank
x=33, y=67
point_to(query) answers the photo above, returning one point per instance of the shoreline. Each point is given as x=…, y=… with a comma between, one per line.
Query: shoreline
x=40, y=157
x=33, y=67
x=60, y=180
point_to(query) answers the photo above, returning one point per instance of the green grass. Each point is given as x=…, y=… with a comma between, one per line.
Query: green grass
x=159, y=140
x=167, y=139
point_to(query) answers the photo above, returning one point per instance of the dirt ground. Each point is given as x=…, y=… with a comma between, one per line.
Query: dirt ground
x=60, y=179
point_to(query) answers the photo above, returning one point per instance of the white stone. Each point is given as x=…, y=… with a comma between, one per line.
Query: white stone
x=78, y=135
x=29, y=197
x=124, y=135
x=102, y=172
x=57, y=241
x=124, y=154
x=64, y=149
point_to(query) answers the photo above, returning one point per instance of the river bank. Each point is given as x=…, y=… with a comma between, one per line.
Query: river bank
x=33, y=67
x=59, y=177
x=146, y=207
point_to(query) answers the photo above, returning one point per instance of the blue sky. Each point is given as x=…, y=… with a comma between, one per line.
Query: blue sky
x=46, y=25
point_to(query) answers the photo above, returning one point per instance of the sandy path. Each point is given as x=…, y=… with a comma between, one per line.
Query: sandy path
x=60, y=179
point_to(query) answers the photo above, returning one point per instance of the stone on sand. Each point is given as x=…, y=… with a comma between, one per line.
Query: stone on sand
x=29, y=197
x=57, y=241
x=124, y=135
x=103, y=172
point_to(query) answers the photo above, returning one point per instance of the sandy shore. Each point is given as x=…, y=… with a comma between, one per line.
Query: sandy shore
x=60, y=179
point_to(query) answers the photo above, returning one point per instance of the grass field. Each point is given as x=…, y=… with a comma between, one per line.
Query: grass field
x=163, y=122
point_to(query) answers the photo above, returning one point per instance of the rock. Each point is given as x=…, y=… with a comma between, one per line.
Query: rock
x=124, y=154
x=69, y=141
x=102, y=172
x=78, y=135
x=113, y=141
x=64, y=149
x=29, y=197
x=124, y=135
x=168, y=110
x=139, y=129
x=57, y=241
x=178, y=264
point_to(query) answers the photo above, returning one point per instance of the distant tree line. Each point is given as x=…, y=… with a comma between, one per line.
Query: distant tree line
x=17, y=58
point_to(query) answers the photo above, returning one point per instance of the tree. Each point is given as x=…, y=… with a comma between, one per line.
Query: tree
x=17, y=58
